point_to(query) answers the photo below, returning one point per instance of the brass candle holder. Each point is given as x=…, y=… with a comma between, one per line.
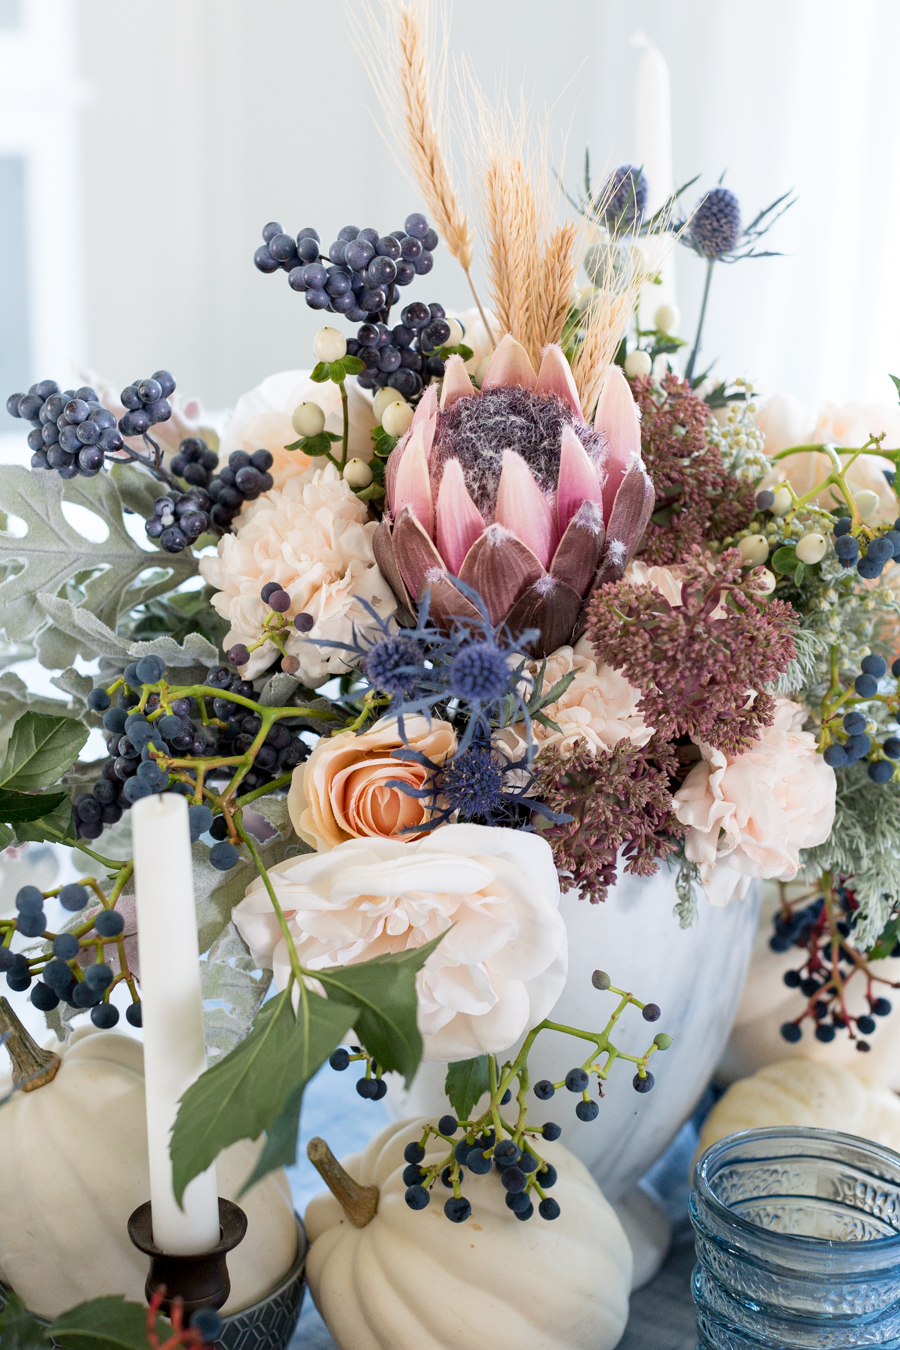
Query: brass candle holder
x=200, y=1280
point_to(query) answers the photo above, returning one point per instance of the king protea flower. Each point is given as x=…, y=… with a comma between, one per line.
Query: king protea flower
x=512, y=492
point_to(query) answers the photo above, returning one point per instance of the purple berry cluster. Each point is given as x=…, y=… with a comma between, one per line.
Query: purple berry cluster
x=406, y=356
x=212, y=500
x=71, y=431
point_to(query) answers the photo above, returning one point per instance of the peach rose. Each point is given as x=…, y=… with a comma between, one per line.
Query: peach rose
x=599, y=707
x=750, y=815
x=262, y=420
x=343, y=790
x=784, y=421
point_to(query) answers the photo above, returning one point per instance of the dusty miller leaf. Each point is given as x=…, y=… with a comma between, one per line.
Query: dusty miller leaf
x=196, y=650
x=53, y=553
x=216, y=896
x=230, y=977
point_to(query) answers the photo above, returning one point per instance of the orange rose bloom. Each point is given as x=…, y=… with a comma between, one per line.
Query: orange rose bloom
x=343, y=790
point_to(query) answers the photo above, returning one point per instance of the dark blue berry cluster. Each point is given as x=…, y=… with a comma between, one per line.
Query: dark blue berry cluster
x=824, y=932
x=405, y=357
x=851, y=740
x=212, y=500
x=868, y=556
x=71, y=432
x=63, y=973
x=371, y=1086
x=146, y=402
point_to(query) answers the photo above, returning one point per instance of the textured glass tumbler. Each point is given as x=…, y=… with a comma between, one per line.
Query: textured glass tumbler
x=798, y=1242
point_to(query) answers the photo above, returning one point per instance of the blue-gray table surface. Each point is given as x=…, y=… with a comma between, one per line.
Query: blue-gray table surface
x=662, y=1314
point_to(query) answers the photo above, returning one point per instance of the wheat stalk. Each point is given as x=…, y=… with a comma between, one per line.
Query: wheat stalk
x=558, y=271
x=606, y=323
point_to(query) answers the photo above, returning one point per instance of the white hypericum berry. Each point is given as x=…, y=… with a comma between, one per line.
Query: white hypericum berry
x=329, y=345
x=867, y=502
x=397, y=417
x=456, y=332
x=754, y=549
x=667, y=318
x=812, y=548
x=383, y=399
x=357, y=474
x=480, y=369
x=782, y=503
x=308, y=420
x=637, y=363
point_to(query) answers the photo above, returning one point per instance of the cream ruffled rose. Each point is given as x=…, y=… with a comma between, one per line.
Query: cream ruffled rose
x=784, y=421
x=599, y=707
x=750, y=815
x=262, y=420
x=343, y=790
x=493, y=892
x=312, y=537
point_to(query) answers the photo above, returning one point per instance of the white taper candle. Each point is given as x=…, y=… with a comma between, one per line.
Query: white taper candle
x=653, y=151
x=174, y=1049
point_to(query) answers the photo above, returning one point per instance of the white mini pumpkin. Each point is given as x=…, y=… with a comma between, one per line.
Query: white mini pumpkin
x=767, y=1002
x=804, y=1092
x=412, y=1280
x=74, y=1166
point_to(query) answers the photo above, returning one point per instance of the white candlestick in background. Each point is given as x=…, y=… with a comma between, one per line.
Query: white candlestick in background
x=174, y=1049
x=653, y=150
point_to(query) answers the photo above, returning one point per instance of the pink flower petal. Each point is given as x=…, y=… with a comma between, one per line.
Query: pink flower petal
x=523, y=508
x=555, y=377
x=509, y=365
x=426, y=407
x=459, y=522
x=578, y=480
x=412, y=485
x=617, y=418
x=456, y=383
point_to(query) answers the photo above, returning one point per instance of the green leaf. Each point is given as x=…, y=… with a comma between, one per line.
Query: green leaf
x=785, y=560
x=54, y=554
x=40, y=749
x=466, y=1082
x=383, y=442
x=373, y=493
x=108, y=1323
x=55, y=827
x=896, y=380
x=888, y=938
x=21, y=806
x=321, y=373
x=6, y=836
x=460, y=350
x=281, y=1142
x=352, y=365
x=245, y=1093
x=19, y=1328
x=384, y=992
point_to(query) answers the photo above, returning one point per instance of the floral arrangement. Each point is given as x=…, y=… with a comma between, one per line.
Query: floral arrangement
x=483, y=608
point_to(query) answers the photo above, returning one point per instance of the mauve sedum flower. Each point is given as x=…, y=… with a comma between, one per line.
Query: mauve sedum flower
x=494, y=893
x=509, y=489
x=314, y=538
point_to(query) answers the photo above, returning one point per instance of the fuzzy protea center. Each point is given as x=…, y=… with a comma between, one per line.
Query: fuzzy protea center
x=476, y=431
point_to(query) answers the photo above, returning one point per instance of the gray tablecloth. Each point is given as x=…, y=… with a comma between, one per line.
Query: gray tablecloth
x=662, y=1314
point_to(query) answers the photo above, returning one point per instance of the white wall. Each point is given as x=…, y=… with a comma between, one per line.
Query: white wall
x=214, y=116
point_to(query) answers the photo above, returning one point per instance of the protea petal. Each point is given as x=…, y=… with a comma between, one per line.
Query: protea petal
x=412, y=485
x=578, y=479
x=456, y=383
x=459, y=522
x=499, y=567
x=630, y=517
x=509, y=365
x=617, y=418
x=414, y=552
x=427, y=406
x=549, y=605
x=579, y=551
x=555, y=377
x=447, y=601
x=383, y=548
x=523, y=508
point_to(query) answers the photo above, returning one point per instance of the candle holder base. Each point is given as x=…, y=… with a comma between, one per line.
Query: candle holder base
x=201, y=1280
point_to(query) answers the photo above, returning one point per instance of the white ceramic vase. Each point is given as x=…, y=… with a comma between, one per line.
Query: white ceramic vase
x=695, y=975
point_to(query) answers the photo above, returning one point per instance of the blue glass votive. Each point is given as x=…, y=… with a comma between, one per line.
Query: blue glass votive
x=798, y=1242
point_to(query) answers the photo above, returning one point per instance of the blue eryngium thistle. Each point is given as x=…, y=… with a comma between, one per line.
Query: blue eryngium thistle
x=715, y=227
x=623, y=197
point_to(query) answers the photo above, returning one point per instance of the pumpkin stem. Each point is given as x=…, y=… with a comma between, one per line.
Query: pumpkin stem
x=359, y=1203
x=32, y=1066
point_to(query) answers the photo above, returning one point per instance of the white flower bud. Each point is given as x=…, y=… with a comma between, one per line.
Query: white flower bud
x=782, y=503
x=397, y=417
x=357, y=474
x=637, y=363
x=329, y=345
x=754, y=549
x=457, y=333
x=866, y=502
x=667, y=318
x=383, y=399
x=812, y=548
x=308, y=420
